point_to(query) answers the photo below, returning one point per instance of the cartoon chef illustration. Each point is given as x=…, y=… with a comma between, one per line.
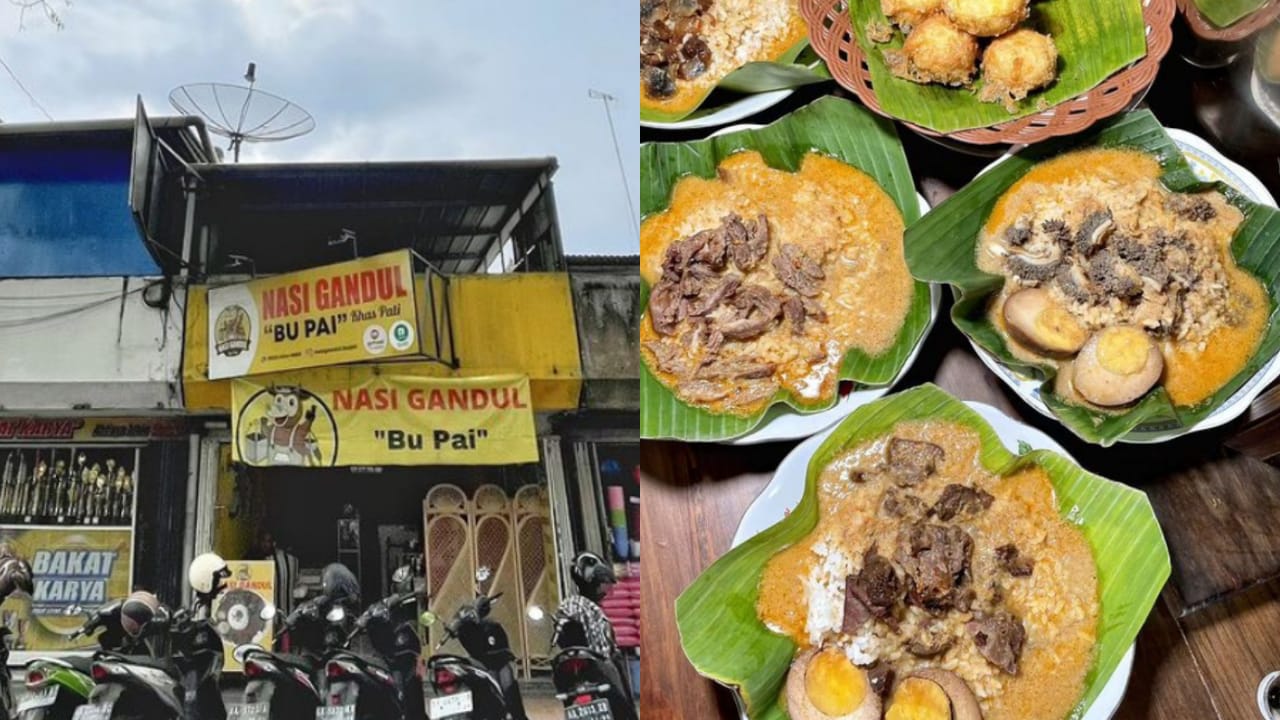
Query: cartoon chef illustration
x=286, y=428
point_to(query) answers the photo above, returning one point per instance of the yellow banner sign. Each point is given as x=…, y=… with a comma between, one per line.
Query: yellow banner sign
x=359, y=310
x=75, y=570
x=370, y=417
x=239, y=613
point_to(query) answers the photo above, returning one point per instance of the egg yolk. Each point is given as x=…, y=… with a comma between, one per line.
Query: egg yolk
x=1123, y=350
x=1057, y=325
x=833, y=684
x=918, y=699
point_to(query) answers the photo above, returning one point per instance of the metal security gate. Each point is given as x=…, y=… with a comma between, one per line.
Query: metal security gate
x=511, y=537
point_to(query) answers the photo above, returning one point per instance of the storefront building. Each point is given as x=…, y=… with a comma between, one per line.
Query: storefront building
x=95, y=444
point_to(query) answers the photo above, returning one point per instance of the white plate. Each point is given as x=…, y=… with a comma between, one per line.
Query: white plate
x=445, y=706
x=1209, y=165
x=783, y=422
x=787, y=487
x=745, y=106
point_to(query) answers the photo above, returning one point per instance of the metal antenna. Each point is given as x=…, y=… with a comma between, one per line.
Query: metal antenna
x=606, y=98
x=262, y=117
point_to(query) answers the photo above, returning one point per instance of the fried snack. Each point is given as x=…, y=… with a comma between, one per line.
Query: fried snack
x=935, y=51
x=906, y=14
x=1016, y=64
x=986, y=18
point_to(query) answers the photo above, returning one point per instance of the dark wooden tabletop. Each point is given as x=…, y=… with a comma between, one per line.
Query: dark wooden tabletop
x=1215, y=631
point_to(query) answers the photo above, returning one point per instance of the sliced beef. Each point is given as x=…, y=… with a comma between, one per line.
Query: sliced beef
x=702, y=391
x=797, y=270
x=757, y=307
x=935, y=559
x=1014, y=562
x=668, y=357
x=999, y=638
x=1191, y=207
x=856, y=612
x=880, y=676
x=736, y=369
x=793, y=311
x=697, y=278
x=813, y=310
x=911, y=461
x=902, y=504
x=749, y=242
x=957, y=499
x=877, y=584
x=666, y=308
x=713, y=249
x=710, y=300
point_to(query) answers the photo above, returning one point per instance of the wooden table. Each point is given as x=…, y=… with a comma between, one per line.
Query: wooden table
x=1214, y=633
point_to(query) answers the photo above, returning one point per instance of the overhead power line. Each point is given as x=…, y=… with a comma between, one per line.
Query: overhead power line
x=24, y=89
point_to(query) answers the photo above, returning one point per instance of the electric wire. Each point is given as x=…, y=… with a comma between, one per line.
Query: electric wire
x=24, y=89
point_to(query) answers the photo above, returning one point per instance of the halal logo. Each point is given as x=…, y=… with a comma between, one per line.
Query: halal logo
x=231, y=331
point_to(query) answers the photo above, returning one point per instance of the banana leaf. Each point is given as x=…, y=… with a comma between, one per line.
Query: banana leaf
x=725, y=640
x=1224, y=13
x=941, y=248
x=1095, y=38
x=838, y=128
x=798, y=66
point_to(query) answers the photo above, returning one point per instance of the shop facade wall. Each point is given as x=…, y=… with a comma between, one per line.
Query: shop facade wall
x=88, y=343
x=606, y=302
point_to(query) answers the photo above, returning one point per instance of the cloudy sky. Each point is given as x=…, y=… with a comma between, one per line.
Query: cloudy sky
x=385, y=79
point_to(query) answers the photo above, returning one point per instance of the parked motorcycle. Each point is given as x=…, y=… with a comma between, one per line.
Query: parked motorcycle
x=482, y=686
x=387, y=686
x=139, y=682
x=582, y=680
x=196, y=646
x=291, y=686
x=15, y=574
x=55, y=687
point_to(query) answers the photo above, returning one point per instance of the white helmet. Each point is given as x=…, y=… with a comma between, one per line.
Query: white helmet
x=206, y=574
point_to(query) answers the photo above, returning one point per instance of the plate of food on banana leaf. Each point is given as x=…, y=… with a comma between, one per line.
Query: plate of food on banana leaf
x=929, y=559
x=1124, y=281
x=772, y=273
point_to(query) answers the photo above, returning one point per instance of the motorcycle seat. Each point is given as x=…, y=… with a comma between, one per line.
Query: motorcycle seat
x=162, y=664
x=80, y=663
x=361, y=660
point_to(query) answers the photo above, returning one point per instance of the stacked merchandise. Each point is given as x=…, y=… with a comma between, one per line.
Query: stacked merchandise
x=622, y=606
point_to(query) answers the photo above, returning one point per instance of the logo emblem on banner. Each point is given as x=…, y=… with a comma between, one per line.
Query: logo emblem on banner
x=286, y=425
x=231, y=335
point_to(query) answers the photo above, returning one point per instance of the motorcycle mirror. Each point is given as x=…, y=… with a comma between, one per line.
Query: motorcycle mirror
x=268, y=612
x=336, y=614
x=535, y=613
x=483, y=573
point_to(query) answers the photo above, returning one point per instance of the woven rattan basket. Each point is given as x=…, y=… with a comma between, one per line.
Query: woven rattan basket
x=1247, y=26
x=831, y=35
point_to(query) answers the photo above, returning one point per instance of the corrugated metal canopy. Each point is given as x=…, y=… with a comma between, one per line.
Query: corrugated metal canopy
x=289, y=216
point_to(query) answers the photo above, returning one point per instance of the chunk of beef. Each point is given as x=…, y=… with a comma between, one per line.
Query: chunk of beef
x=797, y=270
x=696, y=56
x=666, y=308
x=1094, y=231
x=657, y=82
x=712, y=299
x=702, y=391
x=957, y=499
x=856, y=612
x=911, y=461
x=1014, y=562
x=1191, y=207
x=813, y=310
x=877, y=584
x=696, y=278
x=902, y=504
x=935, y=559
x=736, y=369
x=999, y=638
x=713, y=248
x=880, y=676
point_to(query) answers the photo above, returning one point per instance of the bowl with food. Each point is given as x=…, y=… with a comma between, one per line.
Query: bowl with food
x=772, y=271
x=1109, y=286
x=750, y=54
x=993, y=71
x=929, y=559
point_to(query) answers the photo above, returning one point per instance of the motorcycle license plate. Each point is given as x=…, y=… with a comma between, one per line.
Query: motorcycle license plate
x=445, y=706
x=594, y=710
x=336, y=712
x=101, y=711
x=44, y=697
x=250, y=711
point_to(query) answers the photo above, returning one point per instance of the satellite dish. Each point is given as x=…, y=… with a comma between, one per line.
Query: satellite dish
x=242, y=113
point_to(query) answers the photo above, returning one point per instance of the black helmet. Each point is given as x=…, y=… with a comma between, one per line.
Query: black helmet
x=339, y=584
x=138, y=610
x=589, y=572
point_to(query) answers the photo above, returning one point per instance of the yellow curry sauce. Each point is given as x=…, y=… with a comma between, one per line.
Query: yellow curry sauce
x=840, y=217
x=1193, y=371
x=1058, y=603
